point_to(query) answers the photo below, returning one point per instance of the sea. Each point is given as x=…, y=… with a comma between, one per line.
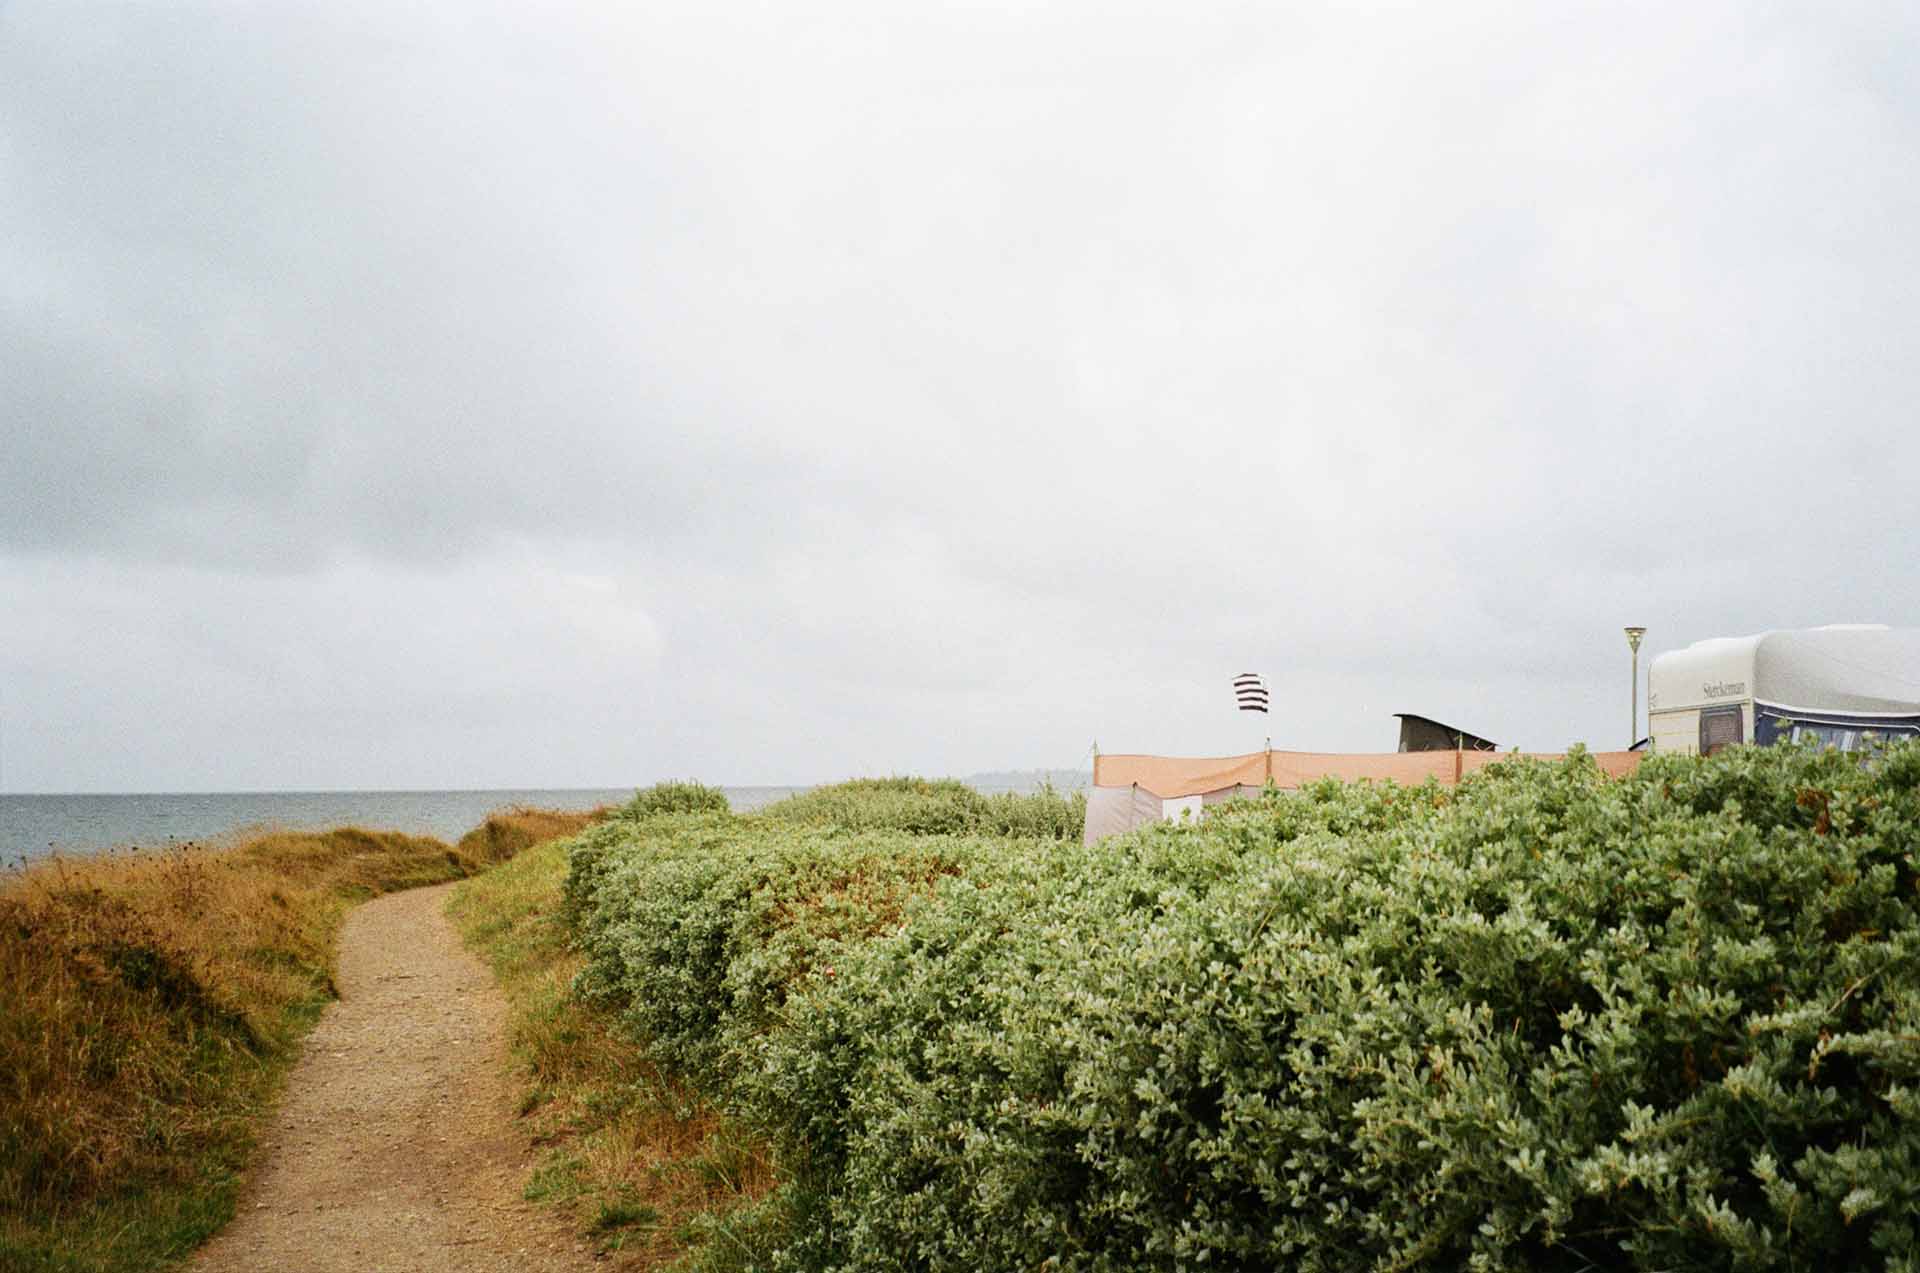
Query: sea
x=34, y=826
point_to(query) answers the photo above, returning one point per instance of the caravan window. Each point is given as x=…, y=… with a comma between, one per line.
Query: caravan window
x=1846, y=738
x=1836, y=736
x=1720, y=727
x=1774, y=725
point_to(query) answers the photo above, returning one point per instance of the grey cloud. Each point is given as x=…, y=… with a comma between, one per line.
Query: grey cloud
x=914, y=369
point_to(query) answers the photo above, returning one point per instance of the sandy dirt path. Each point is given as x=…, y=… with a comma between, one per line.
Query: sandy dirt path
x=394, y=1147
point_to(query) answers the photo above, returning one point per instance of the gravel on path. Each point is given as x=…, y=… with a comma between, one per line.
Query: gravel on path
x=393, y=1148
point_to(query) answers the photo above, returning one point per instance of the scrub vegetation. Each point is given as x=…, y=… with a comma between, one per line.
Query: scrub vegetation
x=642, y=1163
x=1543, y=1020
x=644, y=1160
x=150, y=1005
x=942, y=806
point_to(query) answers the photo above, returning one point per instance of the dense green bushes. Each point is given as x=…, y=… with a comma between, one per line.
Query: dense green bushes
x=700, y=935
x=1547, y=1020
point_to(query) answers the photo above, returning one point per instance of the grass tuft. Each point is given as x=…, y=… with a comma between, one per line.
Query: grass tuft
x=638, y=1160
x=510, y=832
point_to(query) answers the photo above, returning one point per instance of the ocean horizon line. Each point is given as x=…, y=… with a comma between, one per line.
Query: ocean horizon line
x=396, y=791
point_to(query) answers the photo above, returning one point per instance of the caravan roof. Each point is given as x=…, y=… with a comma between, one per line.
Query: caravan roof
x=1858, y=668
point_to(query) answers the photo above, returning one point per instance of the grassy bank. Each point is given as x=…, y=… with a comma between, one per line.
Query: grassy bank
x=639, y=1161
x=150, y=1005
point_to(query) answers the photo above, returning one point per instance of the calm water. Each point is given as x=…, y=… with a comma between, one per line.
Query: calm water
x=32, y=826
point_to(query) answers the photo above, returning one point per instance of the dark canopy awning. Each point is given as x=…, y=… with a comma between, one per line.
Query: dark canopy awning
x=1420, y=733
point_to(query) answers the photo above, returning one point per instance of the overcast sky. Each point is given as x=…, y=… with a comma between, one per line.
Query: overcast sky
x=467, y=395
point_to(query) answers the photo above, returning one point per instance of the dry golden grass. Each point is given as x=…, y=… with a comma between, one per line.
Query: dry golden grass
x=512, y=831
x=636, y=1158
x=150, y=1002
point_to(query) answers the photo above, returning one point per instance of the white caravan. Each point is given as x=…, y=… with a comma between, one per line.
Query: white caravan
x=1842, y=685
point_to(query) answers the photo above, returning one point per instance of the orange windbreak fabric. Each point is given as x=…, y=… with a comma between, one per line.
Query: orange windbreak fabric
x=1172, y=776
x=1618, y=764
x=1409, y=768
x=1614, y=764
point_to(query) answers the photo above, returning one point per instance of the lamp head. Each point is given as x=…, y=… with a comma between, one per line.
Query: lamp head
x=1633, y=637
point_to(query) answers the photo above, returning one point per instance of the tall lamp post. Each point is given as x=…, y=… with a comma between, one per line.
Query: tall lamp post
x=1633, y=703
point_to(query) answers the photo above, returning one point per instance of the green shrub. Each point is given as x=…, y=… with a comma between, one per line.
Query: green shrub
x=1545, y=1020
x=1042, y=815
x=675, y=797
x=696, y=929
x=942, y=806
x=588, y=850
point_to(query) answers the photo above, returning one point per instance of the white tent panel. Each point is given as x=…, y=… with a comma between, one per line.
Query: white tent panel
x=1178, y=807
x=1239, y=792
x=1112, y=810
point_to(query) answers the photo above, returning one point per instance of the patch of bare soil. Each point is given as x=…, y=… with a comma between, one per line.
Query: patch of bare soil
x=394, y=1147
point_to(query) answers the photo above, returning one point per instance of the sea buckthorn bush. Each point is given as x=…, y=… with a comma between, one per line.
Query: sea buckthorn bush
x=942, y=806
x=675, y=797
x=1545, y=1020
x=696, y=927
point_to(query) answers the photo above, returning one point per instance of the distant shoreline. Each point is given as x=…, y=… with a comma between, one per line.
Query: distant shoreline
x=85, y=824
x=37, y=826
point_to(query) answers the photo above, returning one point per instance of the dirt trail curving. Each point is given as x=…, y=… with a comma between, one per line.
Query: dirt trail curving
x=394, y=1148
